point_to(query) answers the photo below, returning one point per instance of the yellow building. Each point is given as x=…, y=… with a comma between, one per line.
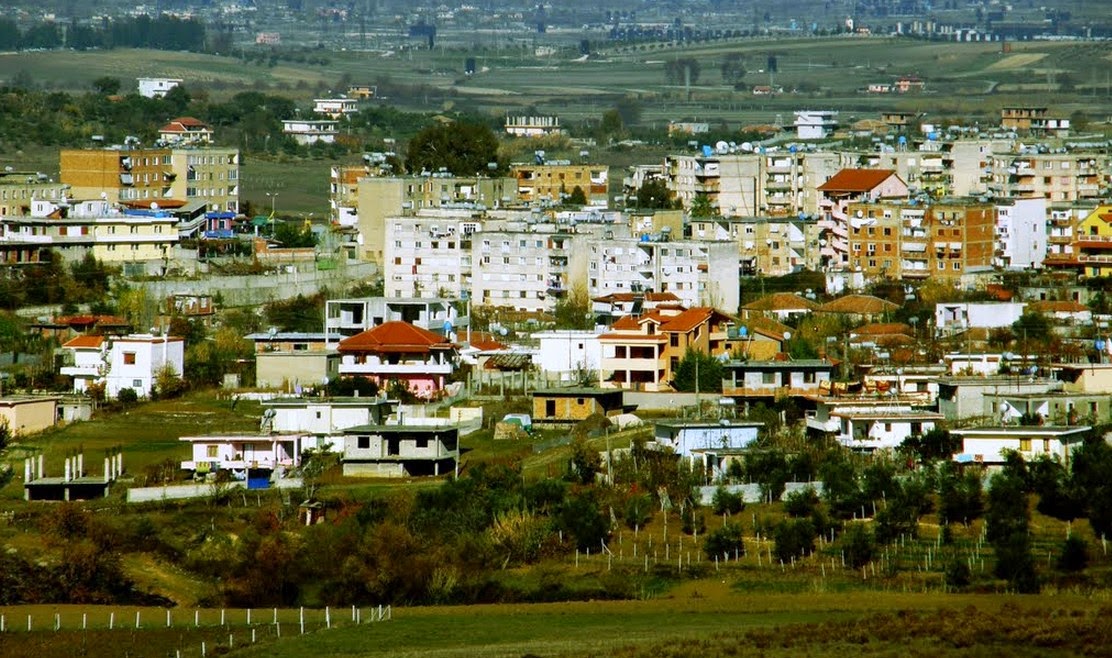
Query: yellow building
x=120, y=175
x=208, y=175
x=552, y=181
x=26, y=414
x=1092, y=243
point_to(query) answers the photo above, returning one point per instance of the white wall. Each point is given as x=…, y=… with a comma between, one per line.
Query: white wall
x=564, y=352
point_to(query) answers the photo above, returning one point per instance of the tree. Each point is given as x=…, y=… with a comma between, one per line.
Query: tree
x=655, y=195
x=1007, y=524
x=1033, y=329
x=936, y=444
x=577, y=197
x=107, y=85
x=682, y=71
x=858, y=545
x=461, y=148
x=733, y=68
x=701, y=206
x=725, y=541
x=293, y=236
x=698, y=371
x=574, y=311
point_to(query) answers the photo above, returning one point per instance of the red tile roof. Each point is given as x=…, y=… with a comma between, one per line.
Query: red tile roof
x=629, y=297
x=688, y=320
x=395, y=336
x=183, y=124
x=766, y=326
x=856, y=180
x=84, y=341
x=1051, y=306
x=485, y=341
x=781, y=301
x=883, y=328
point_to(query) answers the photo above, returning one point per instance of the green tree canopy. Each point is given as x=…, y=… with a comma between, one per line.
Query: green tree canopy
x=655, y=195
x=462, y=148
x=709, y=371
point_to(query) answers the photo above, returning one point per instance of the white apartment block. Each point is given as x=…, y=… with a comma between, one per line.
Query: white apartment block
x=1021, y=234
x=157, y=87
x=699, y=272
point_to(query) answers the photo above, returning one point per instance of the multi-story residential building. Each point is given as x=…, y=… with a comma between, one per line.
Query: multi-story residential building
x=815, y=124
x=643, y=352
x=1021, y=233
x=844, y=188
x=1062, y=221
x=133, y=361
x=529, y=126
x=1089, y=251
x=335, y=108
x=554, y=180
x=946, y=239
x=780, y=183
x=185, y=130
x=377, y=198
x=1033, y=120
x=770, y=246
x=157, y=87
x=951, y=168
x=310, y=131
x=344, y=318
x=1056, y=177
x=699, y=272
x=140, y=241
x=119, y=174
x=398, y=351
x=18, y=189
x=206, y=176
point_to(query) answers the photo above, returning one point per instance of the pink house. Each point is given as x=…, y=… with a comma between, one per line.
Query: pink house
x=400, y=351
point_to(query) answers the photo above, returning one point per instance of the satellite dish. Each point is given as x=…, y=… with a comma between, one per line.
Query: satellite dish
x=272, y=332
x=154, y=205
x=787, y=335
x=747, y=147
x=722, y=147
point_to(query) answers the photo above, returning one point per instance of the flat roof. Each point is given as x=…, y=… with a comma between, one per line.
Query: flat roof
x=400, y=429
x=890, y=415
x=578, y=391
x=709, y=423
x=242, y=438
x=1050, y=430
x=767, y=365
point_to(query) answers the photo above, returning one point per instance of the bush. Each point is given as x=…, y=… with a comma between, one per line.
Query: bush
x=692, y=521
x=957, y=574
x=127, y=397
x=638, y=511
x=724, y=541
x=801, y=503
x=858, y=545
x=1075, y=555
x=725, y=502
x=794, y=537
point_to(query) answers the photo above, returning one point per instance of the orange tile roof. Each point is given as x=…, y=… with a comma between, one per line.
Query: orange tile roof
x=883, y=328
x=395, y=336
x=767, y=326
x=629, y=297
x=856, y=180
x=688, y=320
x=485, y=341
x=859, y=304
x=84, y=341
x=781, y=301
x=183, y=124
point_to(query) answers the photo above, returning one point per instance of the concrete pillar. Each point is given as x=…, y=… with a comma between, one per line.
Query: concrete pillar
x=80, y=465
x=27, y=469
x=66, y=475
x=107, y=471
x=119, y=463
x=40, y=467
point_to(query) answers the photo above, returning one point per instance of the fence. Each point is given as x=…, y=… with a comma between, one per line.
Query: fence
x=188, y=491
x=175, y=632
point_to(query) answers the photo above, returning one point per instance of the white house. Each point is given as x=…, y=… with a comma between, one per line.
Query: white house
x=563, y=353
x=323, y=420
x=815, y=124
x=987, y=445
x=335, y=108
x=120, y=362
x=952, y=317
x=242, y=452
x=710, y=443
x=157, y=87
x=869, y=423
x=311, y=131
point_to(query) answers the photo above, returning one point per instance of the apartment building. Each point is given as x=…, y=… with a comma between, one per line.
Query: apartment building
x=18, y=189
x=429, y=254
x=335, y=108
x=846, y=187
x=780, y=183
x=1056, y=177
x=344, y=318
x=699, y=272
x=207, y=176
x=947, y=239
x=553, y=181
x=815, y=124
x=1021, y=233
x=1033, y=120
x=951, y=168
x=1089, y=247
x=769, y=246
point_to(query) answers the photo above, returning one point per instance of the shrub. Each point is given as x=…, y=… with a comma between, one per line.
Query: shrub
x=801, y=503
x=724, y=541
x=794, y=537
x=858, y=544
x=725, y=502
x=692, y=521
x=1075, y=555
x=127, y=397
x=957, y=574
x=638, y=511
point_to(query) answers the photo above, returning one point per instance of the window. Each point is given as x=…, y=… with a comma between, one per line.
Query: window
x=1025, y=445
x=888, y=427
x=129, y=358
x=363, y=442
x=422, y=443
x=212, y=452
x=137, y=384
x=768, y=378
x=550, y=408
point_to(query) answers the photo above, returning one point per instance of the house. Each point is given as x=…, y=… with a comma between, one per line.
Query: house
x=1055, y=407
x=642, y=352
x=400, y=450
x=869, y=423
x=243, y=454
x=157, y=87
x=362, y=92
x=398, y=351
x=321, y=422
x=782, y=306
x=989, y=445
x=711, y=444
x=335, y=108
x=610, y=307
x=815, y=124
x=185, y=130
x=774, y=378
x=837, y=193
x=133, y=361
x=964, y=397
x=860, y=308
x=560, y=407
x=567, y=354
x=954, y=317
x=758, y=338
x=529, y=126
x=307, y=132
x=1064, y=311
x=344, y=318
x=291, y=359
x=27, y=414
x=1085, y=377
